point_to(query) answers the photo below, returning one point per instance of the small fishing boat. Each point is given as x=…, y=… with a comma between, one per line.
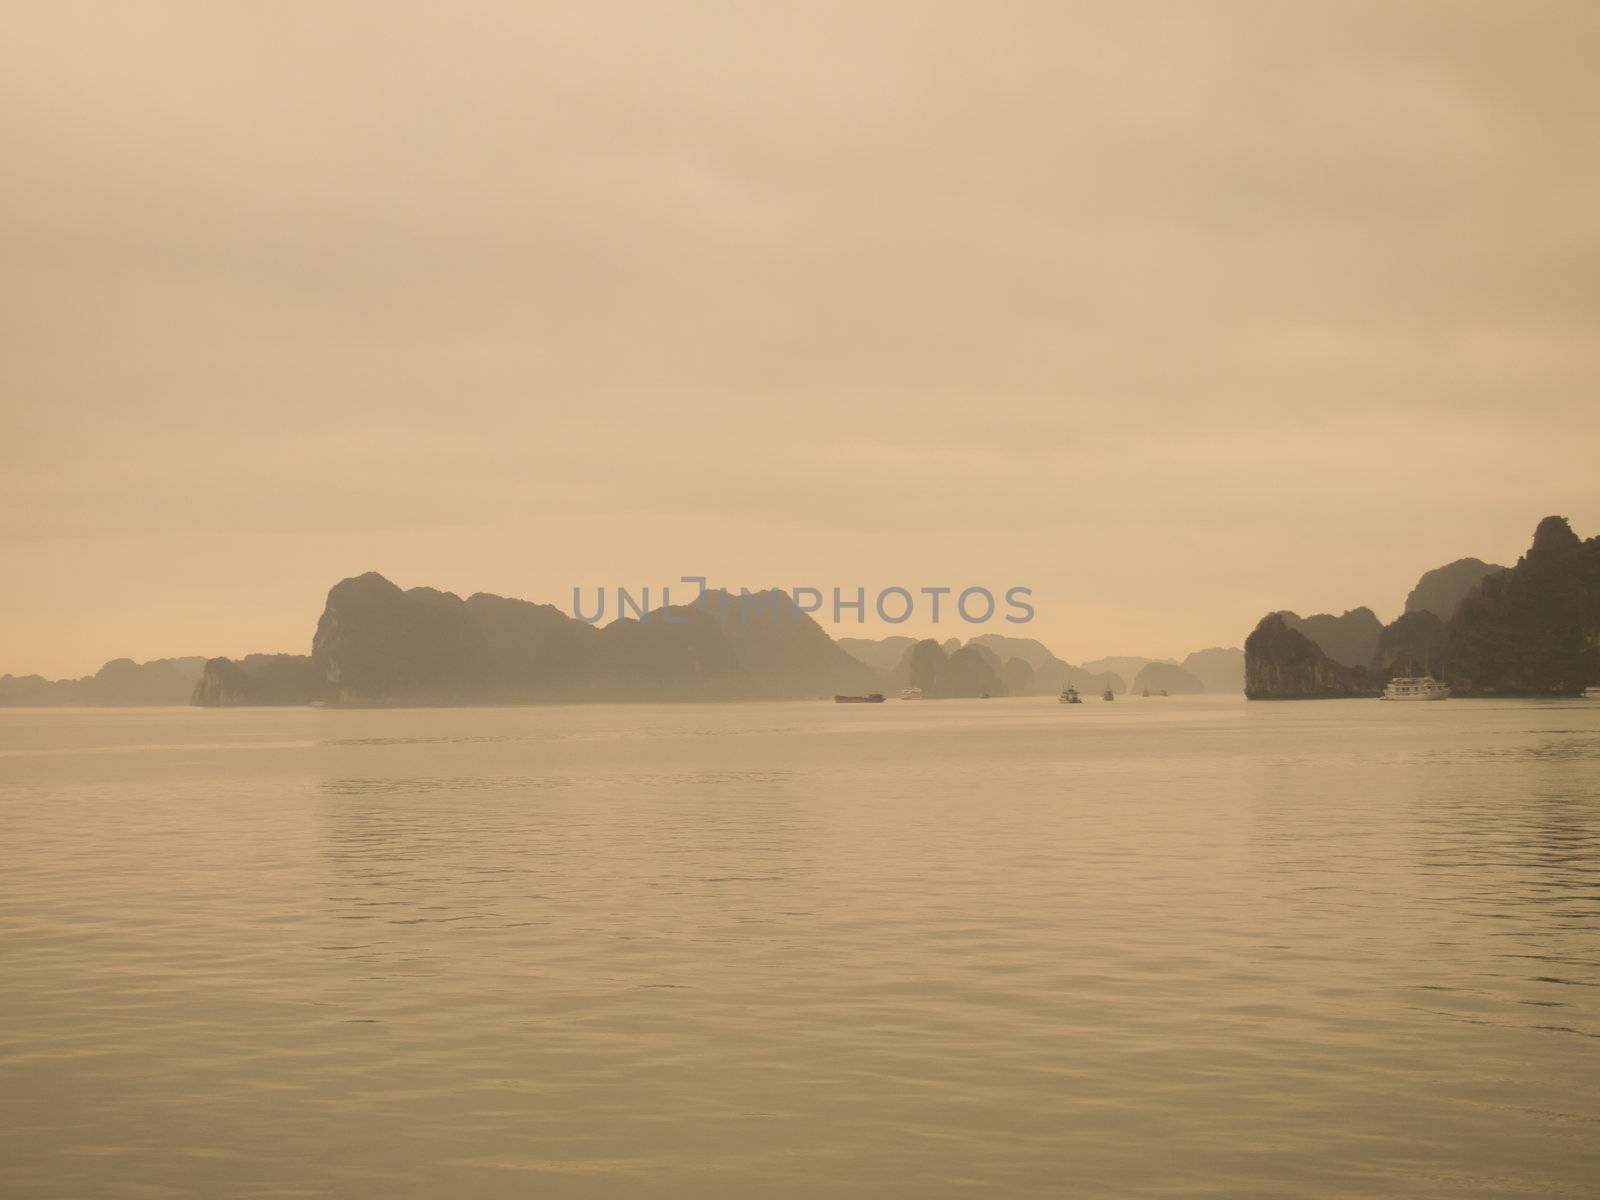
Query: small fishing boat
x=1069, y=695
x=1108, y=695
x=874, y=698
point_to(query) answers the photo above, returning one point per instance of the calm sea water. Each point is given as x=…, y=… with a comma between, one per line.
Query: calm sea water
x=1156, y=948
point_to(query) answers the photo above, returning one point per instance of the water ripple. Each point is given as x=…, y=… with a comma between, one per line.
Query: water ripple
x=1202, y=949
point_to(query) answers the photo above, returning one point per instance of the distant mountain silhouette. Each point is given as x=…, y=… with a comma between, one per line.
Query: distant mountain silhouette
x=1221, y=670
x=1441, y=590
x=1030, y=650
x=1024, y=666
x=1349, y=639
x=1126, y=665
x=1017, y=676
x=968, y=673
x=785, y=652
x=881, y=654
x=989, y=656
x=377, y=644
x=1055, y=676
x=971, y=673
x=120, y=682
x=1167, y=677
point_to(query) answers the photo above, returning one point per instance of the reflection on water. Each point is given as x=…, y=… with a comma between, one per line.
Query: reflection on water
x=1189, y=947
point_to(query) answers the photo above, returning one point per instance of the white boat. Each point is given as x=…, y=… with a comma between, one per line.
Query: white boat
x=1591, y=693
x=911, y=693
x=1415, y=687
x=1069, y=695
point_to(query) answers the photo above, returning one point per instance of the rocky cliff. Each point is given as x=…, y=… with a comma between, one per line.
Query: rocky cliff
x=1441, y=590
x=1281, y=663
x=1349, y=639
x=971, y=673
x=967, y=673
x=257, y=679
x=378, y=644
x=1412, y=644
x=924, y=667
x=1533, y=630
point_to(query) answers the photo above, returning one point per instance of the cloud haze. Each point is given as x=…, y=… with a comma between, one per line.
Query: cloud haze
x=1176, y=313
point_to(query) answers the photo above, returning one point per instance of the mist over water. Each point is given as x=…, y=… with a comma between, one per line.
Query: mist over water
x=1167, y=948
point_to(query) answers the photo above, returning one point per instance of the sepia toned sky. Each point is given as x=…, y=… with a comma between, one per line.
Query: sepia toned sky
x=1174, y=313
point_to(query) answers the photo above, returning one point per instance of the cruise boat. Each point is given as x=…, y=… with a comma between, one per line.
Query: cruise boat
x=1415, y=687
x=912, y=693
x=1069, y=695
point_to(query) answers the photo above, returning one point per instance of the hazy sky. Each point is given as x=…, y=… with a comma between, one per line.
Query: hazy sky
x=1176, y=313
